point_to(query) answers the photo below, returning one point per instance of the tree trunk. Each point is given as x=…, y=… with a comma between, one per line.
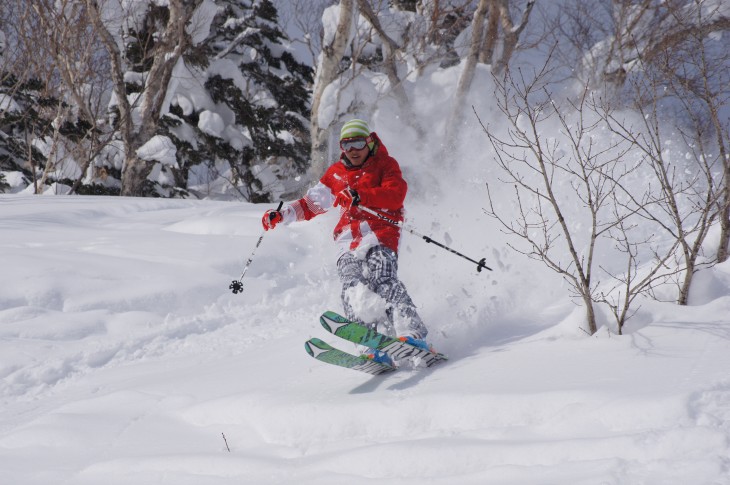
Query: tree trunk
x=722, y=250
x=327, y=71
x=174, y=41
x=510, y=32
x=134, y=176
x=721, y=135
x=486, y=56
x=590, y=314
x=51, y=158
x=117, y=72
x=467, y=75
x=686, y=283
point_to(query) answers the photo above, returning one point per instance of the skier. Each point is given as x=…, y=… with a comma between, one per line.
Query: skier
x=368, y=246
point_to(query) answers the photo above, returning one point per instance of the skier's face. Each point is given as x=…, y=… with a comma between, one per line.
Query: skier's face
x=357, y=157
x=356, y=150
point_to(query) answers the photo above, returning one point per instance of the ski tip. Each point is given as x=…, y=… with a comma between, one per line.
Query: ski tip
x=315, y=347
x=330, y=317
x=317, y=343
x=308, y=348
x=323, y=321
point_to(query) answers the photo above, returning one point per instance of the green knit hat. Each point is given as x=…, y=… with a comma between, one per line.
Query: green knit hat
x=355, y=128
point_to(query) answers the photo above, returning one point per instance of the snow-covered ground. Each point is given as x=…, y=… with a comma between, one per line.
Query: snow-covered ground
x=126, y=360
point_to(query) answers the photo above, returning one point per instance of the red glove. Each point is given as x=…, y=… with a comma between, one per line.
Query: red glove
x=271, y=219
x=347, y=198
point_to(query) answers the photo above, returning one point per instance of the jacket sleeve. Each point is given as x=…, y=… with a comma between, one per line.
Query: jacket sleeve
x=318, y=200
x=391, y=192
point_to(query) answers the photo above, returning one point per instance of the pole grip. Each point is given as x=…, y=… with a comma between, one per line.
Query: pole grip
x=278, y=209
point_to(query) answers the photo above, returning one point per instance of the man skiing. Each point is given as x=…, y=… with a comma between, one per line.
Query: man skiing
x=368, y=246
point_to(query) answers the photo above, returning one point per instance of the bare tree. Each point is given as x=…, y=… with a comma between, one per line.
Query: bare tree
x=28, y=76
x=328, y=69
x=607, y=39
x=78, y=59
x=511, y=32
x=467, y=75
x=390, y=66
x=403, y=44
x=482, y=49
x=531, y=164
x=137, y=127
x=695, y=67
x=304, y=16
x=685, y=206
x=661, y=60
x=562, y=169
x=635, y=278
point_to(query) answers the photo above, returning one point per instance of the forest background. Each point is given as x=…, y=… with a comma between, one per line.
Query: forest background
x=617, y=110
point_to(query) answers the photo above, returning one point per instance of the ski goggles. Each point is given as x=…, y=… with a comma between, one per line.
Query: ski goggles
x=353, y=143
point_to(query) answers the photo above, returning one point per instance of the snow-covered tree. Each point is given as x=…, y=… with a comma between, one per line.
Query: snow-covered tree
x=20, y=123
x=166, y=34
x=259, y=123
x=204, y=92
x=25, y=101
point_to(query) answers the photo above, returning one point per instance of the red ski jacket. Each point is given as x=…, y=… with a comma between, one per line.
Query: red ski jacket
x=380, y=185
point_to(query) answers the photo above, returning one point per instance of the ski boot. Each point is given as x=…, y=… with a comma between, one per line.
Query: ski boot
x=379, y=357
x=416, y=342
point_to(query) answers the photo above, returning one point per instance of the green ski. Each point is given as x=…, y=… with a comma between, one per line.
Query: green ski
x=324, y=352
x=362, y=335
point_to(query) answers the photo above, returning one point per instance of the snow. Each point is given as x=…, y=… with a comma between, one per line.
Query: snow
x=159, y=148
x=15, y=180
x=330, y=19
x=125, y=359
x=199, y=26
x=211, y=123
x=8, y=104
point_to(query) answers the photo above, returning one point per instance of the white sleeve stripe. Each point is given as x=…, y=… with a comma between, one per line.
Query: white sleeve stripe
x=313, y=206
x=295, y=212
x=289, y=212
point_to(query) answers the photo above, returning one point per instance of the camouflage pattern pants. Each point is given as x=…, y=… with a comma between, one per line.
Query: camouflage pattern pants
x=379, y=273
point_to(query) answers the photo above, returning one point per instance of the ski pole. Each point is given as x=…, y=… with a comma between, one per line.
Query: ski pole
x=236, y=286
x=480, y=264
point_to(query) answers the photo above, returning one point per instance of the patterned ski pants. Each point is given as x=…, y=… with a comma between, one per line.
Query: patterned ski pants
x=378, y=272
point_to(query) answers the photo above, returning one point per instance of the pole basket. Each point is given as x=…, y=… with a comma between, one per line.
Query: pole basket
x=236, y=287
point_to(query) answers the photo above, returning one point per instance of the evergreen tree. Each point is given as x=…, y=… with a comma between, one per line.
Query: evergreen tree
x=20, y=122
x=239, y=117
x=267, y=94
